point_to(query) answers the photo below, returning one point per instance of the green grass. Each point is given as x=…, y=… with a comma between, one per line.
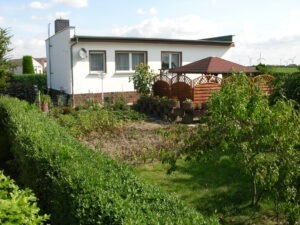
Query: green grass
x=211, y=188
x=281, y=69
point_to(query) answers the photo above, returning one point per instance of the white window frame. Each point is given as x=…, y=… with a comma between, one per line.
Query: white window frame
x=129, y=61
x=170, y=58
x=104, y=61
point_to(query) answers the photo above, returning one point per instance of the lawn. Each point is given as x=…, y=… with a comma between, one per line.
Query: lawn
x=211, y=188
x=288, y=70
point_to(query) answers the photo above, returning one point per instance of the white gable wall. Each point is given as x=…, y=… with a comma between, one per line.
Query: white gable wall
x=84, y=82
x=38, y=68
x=59, y=60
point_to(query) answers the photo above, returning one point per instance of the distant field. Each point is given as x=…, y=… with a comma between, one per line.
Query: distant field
x=282, y=69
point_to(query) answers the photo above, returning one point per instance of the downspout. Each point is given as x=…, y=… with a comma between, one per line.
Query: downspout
x=72, y=72
x=49, y=63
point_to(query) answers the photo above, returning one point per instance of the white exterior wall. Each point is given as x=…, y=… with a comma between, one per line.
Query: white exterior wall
x=84, y=82
x=38, y=68
x=59, y=60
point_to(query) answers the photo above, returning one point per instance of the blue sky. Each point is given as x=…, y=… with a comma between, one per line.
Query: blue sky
x=268, y=28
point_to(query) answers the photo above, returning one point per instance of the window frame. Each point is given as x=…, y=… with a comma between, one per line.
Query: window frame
x=103, y=52
x=170, y=58
x=129, y=60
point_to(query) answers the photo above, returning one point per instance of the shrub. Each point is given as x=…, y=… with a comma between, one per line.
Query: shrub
x=79, y=186
x=263, y=139
x=18, y=206
x=142, y=79
x=40, y=80
x=27, y=65
x=287, y=86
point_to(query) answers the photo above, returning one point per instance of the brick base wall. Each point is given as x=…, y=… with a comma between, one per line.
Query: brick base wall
x=130, y=97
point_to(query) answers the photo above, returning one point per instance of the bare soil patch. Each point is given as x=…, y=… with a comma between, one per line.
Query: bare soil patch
x=133, y=143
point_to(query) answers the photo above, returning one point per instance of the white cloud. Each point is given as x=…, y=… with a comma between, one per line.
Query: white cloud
x=52, y=3
x=151, y=11
x=58, y=15
x=52, y=17
x=34, y=47
x=276, y=45
x=73, y=3
x=39, y=5
x=191, y=26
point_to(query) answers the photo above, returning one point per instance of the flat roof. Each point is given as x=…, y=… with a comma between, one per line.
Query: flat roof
x=217, y=41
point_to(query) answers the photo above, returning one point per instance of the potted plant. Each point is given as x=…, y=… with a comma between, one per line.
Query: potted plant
x=187, y=104
x=45, y=100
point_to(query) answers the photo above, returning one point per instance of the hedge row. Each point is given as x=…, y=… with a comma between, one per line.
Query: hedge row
x=18, y=206
x=33, y=79
x=78, y=186
x=22, y=86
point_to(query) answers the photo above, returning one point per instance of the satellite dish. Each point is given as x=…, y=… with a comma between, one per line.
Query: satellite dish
x=82, y=53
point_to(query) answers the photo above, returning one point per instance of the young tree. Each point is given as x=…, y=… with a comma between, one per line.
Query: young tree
x=142, y=79
x=263, y=139
x=5, y=66
x=27, y=65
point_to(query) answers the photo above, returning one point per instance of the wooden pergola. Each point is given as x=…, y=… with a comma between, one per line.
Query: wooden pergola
x=202, y=87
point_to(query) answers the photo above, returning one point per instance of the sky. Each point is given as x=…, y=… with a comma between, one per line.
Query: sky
x=265, y=31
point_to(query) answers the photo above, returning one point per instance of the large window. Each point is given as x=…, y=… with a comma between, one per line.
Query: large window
x=170, y=60
x=97, y=61
x=127, y=61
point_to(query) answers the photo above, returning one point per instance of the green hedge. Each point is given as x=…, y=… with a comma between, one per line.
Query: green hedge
x=79, y=186
x=33, y=79
x=18, y=206
x=27, y=64
x=21, y=86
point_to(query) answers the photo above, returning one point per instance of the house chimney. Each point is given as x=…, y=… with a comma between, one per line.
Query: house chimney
x=61, y=24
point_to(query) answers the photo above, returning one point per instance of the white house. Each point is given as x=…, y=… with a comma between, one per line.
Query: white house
x=39, y=65
x=100, y=66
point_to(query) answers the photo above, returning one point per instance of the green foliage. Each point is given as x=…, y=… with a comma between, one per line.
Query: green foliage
x=31, y=79
x=287, y=86
x=263, y=139
x=262, y=68
x=142, y=79
x=97, y=120
x=18, y=206
x=27, y=65
x=127, y=115
x=5, y=66
x=273, y=70
x=77, y=185
x=45, y=98
x=82, y=123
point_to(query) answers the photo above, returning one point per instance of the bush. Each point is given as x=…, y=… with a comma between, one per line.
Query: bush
x=27, y=65
x=263, y=139
x=287, y=86
x=142, y=79
x=18, y=206
x=77, y=185
x=32, y=79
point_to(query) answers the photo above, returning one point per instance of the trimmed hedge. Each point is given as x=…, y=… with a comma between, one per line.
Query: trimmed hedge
x=79, y=186
x=21, y=86
x=33, y=79
x=27, y=64
x=18, y=206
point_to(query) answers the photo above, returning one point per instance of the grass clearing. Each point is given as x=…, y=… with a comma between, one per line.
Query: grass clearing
x=210, y=188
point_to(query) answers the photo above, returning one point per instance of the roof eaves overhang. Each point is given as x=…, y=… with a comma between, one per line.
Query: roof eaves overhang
x=151, y=41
